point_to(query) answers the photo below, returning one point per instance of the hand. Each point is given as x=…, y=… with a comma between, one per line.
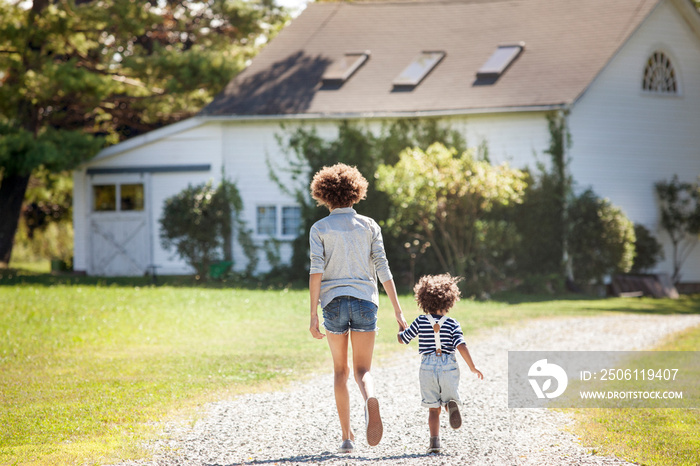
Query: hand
x=313, y=328
x=478, y=373
x=401, y=321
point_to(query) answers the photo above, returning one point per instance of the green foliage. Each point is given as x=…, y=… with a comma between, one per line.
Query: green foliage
x=602, y=238
x=542, y=219
x=648, y=250
x=680, y=218
x=22, y=152
x=119, y=67
x=306, y=153
x=77, y=73
x=198, y=222
x=539, y=222
x=443, y=198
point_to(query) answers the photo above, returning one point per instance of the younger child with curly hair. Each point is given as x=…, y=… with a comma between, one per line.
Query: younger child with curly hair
x=439, y=337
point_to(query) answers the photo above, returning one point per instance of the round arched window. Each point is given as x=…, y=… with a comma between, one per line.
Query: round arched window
x=659, y=75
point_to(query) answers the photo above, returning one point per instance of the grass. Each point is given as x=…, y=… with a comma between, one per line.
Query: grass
x=656, y=437
x=91, y=366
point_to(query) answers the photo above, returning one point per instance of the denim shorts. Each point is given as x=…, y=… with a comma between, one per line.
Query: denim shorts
x=439, y=380
x=347, y=313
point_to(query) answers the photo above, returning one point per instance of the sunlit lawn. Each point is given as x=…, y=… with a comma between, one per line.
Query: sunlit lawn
x=90, y=366
x=654, y=437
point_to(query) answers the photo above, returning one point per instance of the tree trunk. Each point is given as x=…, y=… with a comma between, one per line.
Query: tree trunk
x=12, y=192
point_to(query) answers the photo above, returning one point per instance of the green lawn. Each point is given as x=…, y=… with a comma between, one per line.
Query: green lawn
x=90, y=366
x=654, y=437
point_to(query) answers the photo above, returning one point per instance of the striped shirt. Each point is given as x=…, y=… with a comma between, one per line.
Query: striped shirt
x=451, y=335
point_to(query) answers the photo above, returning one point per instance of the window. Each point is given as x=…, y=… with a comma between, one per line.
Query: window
x=266, y=220
x=291, y=221
x=499, y=61
x=105, y=197
x=288, y=218
x=659, y=75
x=340, y=71
x=418, y=69
x=130, y=197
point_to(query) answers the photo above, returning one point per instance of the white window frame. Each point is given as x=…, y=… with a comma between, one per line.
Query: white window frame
x=673, y=65
x=278, y=228
x=118, y=196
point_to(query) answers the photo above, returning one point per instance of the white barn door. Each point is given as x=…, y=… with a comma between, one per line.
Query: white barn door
x=119, y=232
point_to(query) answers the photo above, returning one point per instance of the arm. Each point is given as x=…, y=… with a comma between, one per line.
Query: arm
x=468, y=359
x=390, y=289
x=314, y=294
x=409, y=333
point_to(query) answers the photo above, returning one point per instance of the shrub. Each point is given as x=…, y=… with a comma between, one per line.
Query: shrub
x=198, y=222
x=448, y=199
x=601, y=239
x=648, y=251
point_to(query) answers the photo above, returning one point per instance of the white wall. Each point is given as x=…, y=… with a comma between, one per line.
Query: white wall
x=248, y=149
x=625, y=140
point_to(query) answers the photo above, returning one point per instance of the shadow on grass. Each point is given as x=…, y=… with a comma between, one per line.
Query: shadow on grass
x=23, y=277
x=687, y=304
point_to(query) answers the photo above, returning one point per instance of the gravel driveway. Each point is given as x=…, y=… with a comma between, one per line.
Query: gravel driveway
x=299, y=425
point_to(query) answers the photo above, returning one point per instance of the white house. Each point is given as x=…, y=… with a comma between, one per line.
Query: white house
x=627, y=72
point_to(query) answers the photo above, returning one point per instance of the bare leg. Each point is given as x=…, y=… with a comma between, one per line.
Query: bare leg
x=362, y=351
x=434, y=421
x=339, y=351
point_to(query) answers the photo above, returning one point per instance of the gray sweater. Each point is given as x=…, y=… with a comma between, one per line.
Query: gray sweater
x=348, y=250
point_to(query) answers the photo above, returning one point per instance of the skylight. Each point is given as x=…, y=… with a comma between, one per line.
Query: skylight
x=418, y=69
x=341, y=70
x=500, y=60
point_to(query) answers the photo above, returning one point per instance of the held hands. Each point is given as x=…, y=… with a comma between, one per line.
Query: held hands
x=314, y=328
x=401, y=321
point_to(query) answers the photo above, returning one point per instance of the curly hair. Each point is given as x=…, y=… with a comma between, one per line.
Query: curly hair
x=436, y=293
x=338, y=186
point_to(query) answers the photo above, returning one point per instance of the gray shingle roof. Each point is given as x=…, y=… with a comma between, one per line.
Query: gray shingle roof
x=567, y=43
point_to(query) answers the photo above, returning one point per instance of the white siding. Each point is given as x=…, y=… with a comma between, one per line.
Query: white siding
x=248, y=148
x=201, y=145
x=625, y=140
x=516, y=138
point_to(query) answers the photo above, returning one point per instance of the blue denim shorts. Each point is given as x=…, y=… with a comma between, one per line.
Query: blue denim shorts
x=347, y=313
x=439, y=380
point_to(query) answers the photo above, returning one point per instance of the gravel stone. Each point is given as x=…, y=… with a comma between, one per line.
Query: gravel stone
x=299, y=425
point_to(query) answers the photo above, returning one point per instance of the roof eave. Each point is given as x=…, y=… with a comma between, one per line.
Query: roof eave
x=389, y=114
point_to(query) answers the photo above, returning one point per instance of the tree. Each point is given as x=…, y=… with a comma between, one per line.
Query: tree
x=680, y=217
x=75, y=74
x=443, y=197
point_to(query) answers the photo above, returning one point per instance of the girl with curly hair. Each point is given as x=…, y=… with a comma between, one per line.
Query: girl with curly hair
x=347, y=255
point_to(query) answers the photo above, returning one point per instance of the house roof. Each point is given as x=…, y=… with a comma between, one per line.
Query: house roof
x=566, y=45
